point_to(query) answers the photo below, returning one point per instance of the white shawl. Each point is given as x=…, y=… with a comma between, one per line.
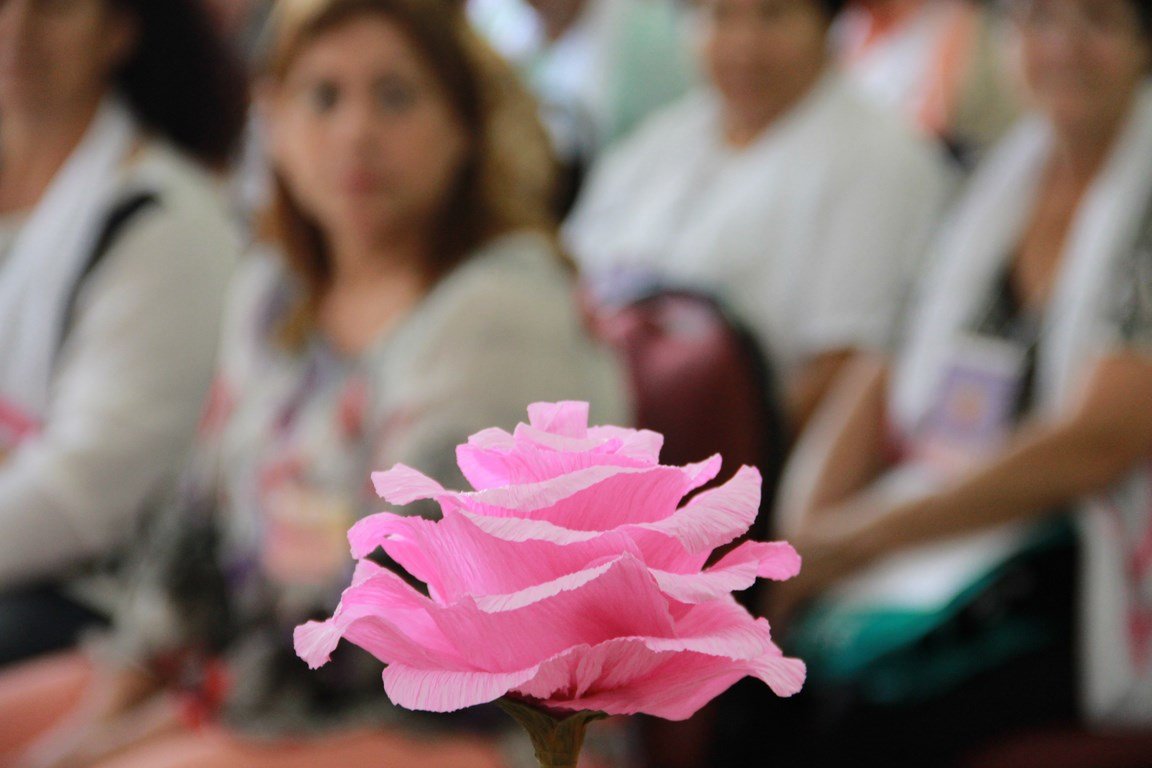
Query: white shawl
x=984, y=234
x=48, y=257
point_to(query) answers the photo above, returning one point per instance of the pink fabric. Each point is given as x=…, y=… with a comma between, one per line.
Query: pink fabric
x=39, y=696
x=35, y=695
x=217, y=749
x=573, y=574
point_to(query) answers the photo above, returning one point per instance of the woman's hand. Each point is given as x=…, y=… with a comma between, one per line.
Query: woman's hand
x=833, y=545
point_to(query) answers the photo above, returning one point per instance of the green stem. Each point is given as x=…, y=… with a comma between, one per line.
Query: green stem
x=557, y=741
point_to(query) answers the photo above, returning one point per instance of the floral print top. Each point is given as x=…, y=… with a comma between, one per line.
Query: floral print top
x=256, y=541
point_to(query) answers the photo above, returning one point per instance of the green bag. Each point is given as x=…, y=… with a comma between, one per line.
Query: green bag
x=900, y=655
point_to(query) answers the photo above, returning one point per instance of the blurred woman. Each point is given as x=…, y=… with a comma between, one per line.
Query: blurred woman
x=114, y=256
x=937, y=485
x=795, y=202
x=416, y=298
x=597, y=67
x=941, y=63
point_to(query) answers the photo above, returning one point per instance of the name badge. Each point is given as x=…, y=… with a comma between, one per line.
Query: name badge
x=973, y=411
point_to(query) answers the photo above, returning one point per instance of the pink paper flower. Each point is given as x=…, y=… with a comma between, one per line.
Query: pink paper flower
x=571, y=576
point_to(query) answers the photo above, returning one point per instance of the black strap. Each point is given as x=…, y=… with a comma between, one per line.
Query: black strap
x=114, y=225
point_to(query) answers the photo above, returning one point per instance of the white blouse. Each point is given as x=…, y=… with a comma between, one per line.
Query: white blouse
x=129, y=381
x=812, y=234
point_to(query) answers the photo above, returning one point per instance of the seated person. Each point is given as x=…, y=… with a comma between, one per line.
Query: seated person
x=597, y=67
x=415, y=298
x=938, y=488
x=941, y=63
x=115, y=254
x=798, y=204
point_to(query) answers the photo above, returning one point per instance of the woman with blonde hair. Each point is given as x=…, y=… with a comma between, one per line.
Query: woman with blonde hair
x=417, y=297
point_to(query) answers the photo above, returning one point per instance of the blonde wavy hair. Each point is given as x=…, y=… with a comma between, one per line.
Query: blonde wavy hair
x=508, y=178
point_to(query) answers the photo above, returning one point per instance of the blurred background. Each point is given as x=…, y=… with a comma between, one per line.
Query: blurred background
x=896, y=254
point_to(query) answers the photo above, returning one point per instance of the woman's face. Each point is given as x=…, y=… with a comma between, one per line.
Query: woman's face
x=59, y=55
x=1082, y=60
x=363, y=135
x=762, y=55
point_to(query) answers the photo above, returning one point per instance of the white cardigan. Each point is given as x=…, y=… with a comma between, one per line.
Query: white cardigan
x=129, y=382
x=812, y=234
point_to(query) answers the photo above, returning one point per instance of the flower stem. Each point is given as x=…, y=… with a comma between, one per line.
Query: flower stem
x=557, y=741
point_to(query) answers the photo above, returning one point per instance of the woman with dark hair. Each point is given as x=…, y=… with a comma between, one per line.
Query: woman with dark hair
x=777, y=189
x=114, y=255
x=416, y=297
x=597, y=67
x=976, y=515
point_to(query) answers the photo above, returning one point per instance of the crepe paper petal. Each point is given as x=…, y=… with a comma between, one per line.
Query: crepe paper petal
x=735, y=572
x=573, y=576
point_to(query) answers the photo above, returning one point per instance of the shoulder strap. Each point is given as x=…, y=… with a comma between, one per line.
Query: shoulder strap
x=114, y=226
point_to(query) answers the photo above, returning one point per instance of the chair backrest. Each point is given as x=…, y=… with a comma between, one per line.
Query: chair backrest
x=700, y=379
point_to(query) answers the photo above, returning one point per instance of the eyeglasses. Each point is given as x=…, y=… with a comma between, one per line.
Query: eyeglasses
x=1097, y=19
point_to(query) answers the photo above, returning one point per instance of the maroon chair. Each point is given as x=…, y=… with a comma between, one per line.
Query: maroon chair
x=699, y=378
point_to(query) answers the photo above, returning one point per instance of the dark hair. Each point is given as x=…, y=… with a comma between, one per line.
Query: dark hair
x=183, y=80
x=508, y=173
x=832, y=8
x=1144, y=12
